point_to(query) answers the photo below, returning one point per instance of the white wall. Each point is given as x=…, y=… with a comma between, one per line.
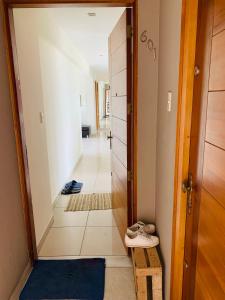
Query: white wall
x=147, y=110
x=88, y=109
x=169, y=56
x=156, y=126
x=53, y=76
x=36, y=141
x=61, y=91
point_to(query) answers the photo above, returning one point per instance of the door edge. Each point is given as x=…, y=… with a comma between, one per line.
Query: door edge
x=184, y=113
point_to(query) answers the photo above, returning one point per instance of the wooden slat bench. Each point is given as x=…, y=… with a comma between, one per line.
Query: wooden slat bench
x=146, y=262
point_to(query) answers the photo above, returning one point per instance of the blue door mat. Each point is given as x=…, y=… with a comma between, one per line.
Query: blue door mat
x=79, y=279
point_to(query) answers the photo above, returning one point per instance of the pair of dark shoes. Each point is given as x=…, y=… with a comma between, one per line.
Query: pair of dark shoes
x=72, y=187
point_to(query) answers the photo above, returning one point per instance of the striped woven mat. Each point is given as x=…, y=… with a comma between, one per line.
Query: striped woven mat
x=98, y=201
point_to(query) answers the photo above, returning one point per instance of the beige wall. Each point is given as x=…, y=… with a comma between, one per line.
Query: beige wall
x=35, y=131
x=170, y=17
x=147, y=110
x=13, y=245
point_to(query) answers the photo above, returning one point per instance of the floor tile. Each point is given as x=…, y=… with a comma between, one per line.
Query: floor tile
x=101, y=218
x=67, y=218
x=103, y=183
x=63, y=241
x=118, y=261
x=119, y=284
x=102, y=241
x=62, y=201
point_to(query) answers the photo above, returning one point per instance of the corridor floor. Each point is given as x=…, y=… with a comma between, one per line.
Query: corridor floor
x=92, y=234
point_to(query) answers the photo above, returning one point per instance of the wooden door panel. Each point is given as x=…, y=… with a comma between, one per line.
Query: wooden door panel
x=219, y=16
x=215, y=125
x=119, y=129
x=119, y=107
x=119, y=84
x=217, y=69
x=119, y=202
x=200, y=292
x=120, y=151
x=119, y=59
x=119, y=34
x=211, y=248
x=205, y=226
x=214, y=172
x=121, y=172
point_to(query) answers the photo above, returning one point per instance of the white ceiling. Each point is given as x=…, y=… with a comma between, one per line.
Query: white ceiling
x=89, y=34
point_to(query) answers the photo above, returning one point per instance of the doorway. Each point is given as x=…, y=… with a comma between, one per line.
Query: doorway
x=22, y=146
x=98, y=144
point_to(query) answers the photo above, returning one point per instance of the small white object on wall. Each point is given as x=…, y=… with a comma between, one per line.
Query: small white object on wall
x=169, y=101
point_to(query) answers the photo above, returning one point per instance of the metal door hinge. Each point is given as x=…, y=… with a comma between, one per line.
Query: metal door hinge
x=130, y=31
x=129, y=108
x=130, y=176
x=187, y=187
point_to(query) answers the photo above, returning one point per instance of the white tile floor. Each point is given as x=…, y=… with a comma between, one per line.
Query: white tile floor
x=92, y=234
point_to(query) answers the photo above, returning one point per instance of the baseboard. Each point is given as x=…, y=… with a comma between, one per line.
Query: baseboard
x=20, y=285
x=45, y=234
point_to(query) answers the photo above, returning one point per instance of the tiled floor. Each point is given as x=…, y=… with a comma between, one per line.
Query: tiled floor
x=92, y=234
x=83, y=233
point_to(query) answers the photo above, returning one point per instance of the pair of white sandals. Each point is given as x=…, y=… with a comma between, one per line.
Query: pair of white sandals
x=140, y=235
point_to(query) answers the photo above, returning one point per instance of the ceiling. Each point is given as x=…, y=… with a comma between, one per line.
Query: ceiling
x=89, y=34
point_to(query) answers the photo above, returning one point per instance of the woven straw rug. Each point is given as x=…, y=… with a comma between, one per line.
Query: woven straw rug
x=98, y=201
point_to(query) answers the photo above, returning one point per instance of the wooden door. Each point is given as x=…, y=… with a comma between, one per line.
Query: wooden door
x=120, y=43
x=204, y=263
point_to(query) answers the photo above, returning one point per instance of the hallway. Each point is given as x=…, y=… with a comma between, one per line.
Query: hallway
x=94, y=233
x=87, y=233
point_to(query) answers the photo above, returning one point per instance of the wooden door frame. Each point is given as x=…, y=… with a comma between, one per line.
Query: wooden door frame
x=105, y=102
x=97, y=105
x=6, y=7
x=184, y=114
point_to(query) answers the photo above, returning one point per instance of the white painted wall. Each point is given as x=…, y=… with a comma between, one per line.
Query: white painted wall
x=61, y=98
x=156, y=126
x=147, y=110
x=53, y=76
x=169, y=56
x=88, y=108
x=36, y=140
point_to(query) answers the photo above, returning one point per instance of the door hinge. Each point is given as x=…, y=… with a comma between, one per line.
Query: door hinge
x=130, y=176
x=129, y=108
x=130, y=31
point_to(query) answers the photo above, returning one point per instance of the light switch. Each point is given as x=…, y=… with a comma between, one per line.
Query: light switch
x=169, y=101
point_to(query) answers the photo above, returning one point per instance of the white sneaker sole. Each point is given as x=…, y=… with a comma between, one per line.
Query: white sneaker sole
x=129, y=243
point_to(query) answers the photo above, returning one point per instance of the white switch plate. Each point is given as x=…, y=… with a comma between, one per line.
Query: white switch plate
x=169, y=101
